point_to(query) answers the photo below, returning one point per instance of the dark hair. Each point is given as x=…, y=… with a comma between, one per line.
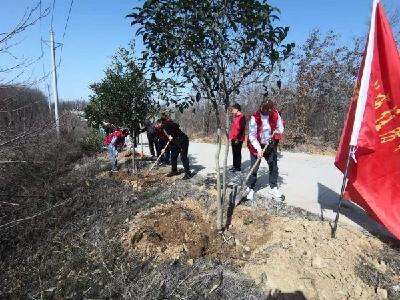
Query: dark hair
x=125, y=131
x=237, y=106
x=269, y=104
x=165, y=119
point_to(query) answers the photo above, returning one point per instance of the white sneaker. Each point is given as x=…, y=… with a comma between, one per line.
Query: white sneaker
x=250, y=195
x=275, y=192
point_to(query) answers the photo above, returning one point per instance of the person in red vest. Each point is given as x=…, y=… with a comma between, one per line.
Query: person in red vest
x=236, y=136
x=115, y=141
x=265, y=128
x=161, y=142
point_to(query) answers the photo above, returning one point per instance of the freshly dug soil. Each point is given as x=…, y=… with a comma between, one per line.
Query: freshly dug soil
x=278, y=253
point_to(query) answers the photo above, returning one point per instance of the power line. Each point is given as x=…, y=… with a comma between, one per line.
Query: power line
x=40, y=26
x=52, y=14
x=65, y=30
x=67, y=21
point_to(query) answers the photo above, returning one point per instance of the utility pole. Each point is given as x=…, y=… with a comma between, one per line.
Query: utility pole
x=55, y=90
x=48, y=97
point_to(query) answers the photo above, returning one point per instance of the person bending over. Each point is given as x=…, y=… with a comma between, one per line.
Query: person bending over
x=179, y=143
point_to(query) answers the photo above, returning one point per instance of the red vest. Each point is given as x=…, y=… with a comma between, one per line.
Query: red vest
x=160, y=133
x=273, y=123
x=118, y=135
x=238, y=128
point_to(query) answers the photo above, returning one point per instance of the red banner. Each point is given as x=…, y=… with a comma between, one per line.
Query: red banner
x=374, y=170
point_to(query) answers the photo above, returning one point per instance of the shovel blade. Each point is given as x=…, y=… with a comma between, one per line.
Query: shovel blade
x=239, y=196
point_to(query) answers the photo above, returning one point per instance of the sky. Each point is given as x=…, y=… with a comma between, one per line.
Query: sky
x=97, y=28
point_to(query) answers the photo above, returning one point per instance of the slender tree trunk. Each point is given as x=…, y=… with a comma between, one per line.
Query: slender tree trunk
x=208, y=113
x=224, y=185
x=204, y=122
x=133, y=161
x=218, y=170
x=133, y=151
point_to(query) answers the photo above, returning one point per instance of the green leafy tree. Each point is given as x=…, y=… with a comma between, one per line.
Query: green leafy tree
x=122, y=97
x=214, y=48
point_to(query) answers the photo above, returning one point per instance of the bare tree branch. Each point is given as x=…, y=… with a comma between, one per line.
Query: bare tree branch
x=16, y=222
x=26, y=21
x=13, y=162
x=9, y=203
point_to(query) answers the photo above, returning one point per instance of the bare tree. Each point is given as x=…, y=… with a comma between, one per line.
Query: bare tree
x=9, y=40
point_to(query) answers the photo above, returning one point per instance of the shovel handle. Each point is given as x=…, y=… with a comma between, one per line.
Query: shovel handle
x=239, y=194
x=158, y=158
x=258, y=160
x=255, y=165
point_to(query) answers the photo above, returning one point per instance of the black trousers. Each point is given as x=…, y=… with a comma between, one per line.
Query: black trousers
x=160, y=145
x=237, y=155
x=180, y=146
x=271, y=156
x=151, y=144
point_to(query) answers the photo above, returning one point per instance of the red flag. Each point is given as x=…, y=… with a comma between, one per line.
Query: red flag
x=373, y=128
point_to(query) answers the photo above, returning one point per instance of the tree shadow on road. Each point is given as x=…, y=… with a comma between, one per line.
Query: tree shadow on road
x=195, y=168
x=329, y=199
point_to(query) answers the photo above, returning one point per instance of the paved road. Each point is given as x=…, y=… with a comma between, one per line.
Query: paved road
x=308, y=181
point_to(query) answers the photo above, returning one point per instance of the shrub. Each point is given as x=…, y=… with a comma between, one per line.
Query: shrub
x=93, y=142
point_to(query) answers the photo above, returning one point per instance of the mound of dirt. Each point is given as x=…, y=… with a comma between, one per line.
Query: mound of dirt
x=279, y=253
x=185, y=229
x=142, y=179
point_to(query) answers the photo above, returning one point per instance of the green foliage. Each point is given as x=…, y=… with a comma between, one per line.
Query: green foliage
x=122, y=97
x=93, y=142
x=213, y=46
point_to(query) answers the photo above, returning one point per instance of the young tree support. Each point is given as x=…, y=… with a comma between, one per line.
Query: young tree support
x=263, y=123
x=236, y=136
x=179, y=145
x=115, y=141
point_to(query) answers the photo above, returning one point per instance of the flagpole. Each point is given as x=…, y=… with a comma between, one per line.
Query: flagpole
x=344, y=184
x=361, y=103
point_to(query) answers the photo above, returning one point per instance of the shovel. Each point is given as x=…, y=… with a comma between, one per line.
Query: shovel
x=158, y=158
x=239, y=195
